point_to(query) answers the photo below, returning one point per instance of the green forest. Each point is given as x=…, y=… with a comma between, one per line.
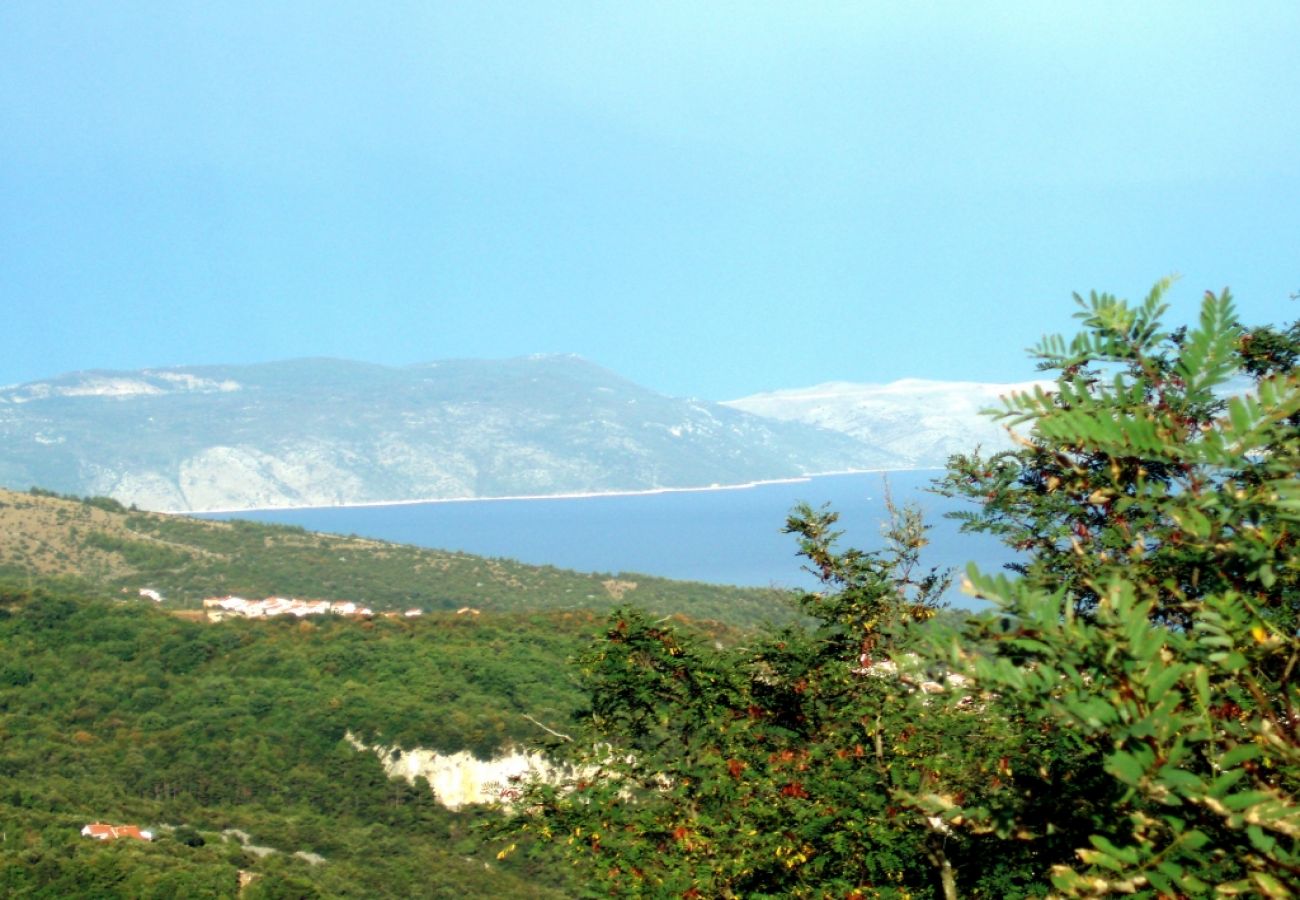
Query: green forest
x=123, y=713
x=1124, y=719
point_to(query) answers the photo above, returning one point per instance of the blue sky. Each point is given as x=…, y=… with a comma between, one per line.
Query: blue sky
x=711, y=199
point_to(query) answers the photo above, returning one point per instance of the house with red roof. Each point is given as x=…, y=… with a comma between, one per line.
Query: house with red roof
x=101, y=832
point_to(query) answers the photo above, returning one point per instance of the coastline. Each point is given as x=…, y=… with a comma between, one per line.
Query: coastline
x=573, y=495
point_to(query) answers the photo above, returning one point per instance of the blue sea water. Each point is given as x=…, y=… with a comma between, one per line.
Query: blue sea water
x=723, y=536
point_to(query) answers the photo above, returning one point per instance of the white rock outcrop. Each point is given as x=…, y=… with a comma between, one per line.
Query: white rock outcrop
x=461, y=779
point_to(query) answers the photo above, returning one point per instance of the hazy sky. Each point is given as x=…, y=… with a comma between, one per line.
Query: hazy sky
x=709, y=198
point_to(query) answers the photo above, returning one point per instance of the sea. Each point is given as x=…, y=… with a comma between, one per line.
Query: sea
x=721, y=535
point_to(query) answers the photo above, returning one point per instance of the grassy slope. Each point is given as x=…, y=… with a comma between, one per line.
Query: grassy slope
x=98, y=547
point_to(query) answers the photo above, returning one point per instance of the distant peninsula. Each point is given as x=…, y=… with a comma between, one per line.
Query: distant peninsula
x=324, y=432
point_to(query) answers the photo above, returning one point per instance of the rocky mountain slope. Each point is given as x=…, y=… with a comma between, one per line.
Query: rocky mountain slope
x=918, y=421
x=324, y=432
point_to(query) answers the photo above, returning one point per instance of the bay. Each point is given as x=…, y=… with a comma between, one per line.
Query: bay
x=722, y=535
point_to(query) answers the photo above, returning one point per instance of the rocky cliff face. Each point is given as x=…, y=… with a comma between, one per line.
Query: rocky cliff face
x=327, y=432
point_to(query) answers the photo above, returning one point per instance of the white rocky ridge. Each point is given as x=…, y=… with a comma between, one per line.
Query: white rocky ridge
x=922, y=421
x=147, y=383
x=187, y=381
x=90, y=386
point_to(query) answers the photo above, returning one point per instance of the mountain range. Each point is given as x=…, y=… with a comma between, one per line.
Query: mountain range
x=320, y=432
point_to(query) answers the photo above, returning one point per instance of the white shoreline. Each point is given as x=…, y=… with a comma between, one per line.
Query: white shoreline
x=645, y=492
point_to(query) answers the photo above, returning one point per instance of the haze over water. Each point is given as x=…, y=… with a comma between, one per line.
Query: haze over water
x=726, y=536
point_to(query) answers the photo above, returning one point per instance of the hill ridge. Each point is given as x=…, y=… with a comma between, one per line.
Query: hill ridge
x=328, y=432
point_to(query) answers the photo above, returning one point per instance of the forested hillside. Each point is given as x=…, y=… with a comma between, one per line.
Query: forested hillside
x=99, y=544
x=118, y=708
x=122, y=713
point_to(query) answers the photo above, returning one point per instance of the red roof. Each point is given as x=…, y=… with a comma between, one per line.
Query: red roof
x=112, y=832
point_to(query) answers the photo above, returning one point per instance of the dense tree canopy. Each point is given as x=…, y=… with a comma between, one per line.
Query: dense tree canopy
x=120, y=712
x=1140, y=462
x=809, y=762
x=1123, y=720
x=1158, y=501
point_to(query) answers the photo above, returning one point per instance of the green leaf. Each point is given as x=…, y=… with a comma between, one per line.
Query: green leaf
x=1123, y=854
x=1267, y=576
x=1245, y=799
x=1099, y=858
x=1238, y=755
x=1224, y=782
x=1202, y=680
x=1262, y=842
x=1194, y=840
x=1180, y=780
x=1160, y=882
x=1270, y=885
x=1163, y=682
x=1125, y=767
